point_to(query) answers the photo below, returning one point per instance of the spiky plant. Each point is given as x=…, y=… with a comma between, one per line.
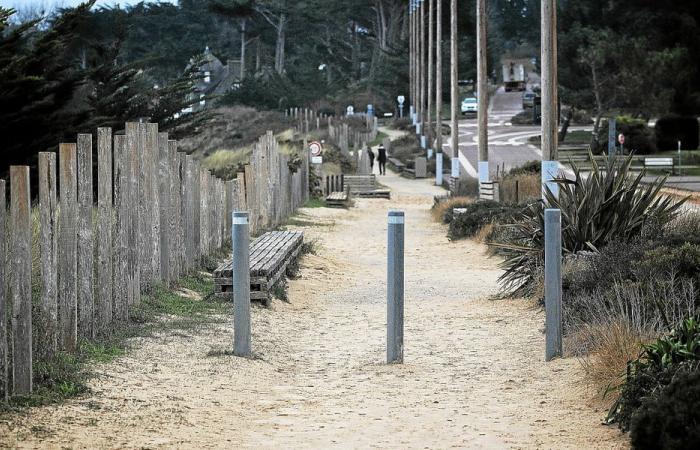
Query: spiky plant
x=608, y=203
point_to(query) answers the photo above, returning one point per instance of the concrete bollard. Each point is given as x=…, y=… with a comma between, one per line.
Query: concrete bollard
x=395, y=287
x=438, y=169
x=241, y=283
x=552, y=283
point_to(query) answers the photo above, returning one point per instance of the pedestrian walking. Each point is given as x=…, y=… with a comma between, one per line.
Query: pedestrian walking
x=370, y=153
x=381, y=158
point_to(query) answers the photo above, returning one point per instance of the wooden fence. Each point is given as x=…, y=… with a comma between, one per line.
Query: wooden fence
x=157, y=214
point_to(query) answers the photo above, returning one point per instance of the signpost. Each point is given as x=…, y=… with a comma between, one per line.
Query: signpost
x=401, y=99
x=370, y=110
x=350, y=110
x=316, y=149
x=612, y=129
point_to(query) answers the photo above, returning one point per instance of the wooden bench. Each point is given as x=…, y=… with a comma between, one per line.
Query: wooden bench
x=396, y=165
x=337, y=199
x=270, y=254
x=659, y=163
x=489, y=191
x=365, y=186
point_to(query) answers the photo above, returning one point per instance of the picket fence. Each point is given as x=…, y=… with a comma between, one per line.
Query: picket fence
x=158, y=213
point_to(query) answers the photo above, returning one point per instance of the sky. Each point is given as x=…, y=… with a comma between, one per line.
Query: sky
x=20, y=3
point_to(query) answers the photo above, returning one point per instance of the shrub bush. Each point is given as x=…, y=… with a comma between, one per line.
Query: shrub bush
x=639, y=138
x=477, y=215
x=523, y=118
x=671, y=129
x=656, y=367
x=607, y=204
x=529, y=168
x=403, y=124
x=670, y=420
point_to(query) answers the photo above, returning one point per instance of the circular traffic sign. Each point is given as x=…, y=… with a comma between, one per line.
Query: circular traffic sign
x=316, y=148
x=621, y=138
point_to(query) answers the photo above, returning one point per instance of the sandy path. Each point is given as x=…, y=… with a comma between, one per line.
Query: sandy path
x=474, y=374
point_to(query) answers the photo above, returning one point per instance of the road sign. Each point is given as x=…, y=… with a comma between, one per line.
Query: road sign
x=317, y=160
x=350, y=110
x=621, y=139
x=316, y=148
x=401, y=99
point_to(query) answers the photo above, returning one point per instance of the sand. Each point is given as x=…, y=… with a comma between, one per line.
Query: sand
x=474, y=373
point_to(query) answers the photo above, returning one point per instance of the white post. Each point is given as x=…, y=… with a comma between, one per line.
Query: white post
x=438, y=169
x=241, y=283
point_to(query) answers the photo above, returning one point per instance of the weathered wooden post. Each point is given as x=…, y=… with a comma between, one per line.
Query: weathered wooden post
x=4, y=391
x=552, y=283
x=21, y=280
x=48, y=221
x=241, y=284
x=395, y=287
x=86, y=249
x=482, y=83
x=454, y=91
x=105, y=184
x=68, y=248
x=550, y=109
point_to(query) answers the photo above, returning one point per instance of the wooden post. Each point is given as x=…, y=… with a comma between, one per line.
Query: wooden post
x=431, y=45
x=438, y=89
x=395, y=287
x=103, y=299
x=196, y=211
x=483, y=85
x=175, y=214
x=122, y=275
x=137, y=131
x=86, y=296
x=188, y=214
x=135, y=243
x=164, y=198
x=48, y=222
x=68, y=249
x=154, y=200
x=550, y=110
x=4, y=369
x=21, y=280
x=454, y=96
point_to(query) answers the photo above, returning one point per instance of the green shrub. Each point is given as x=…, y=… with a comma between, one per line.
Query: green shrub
x=639, y=138
x=529, y=168
x=655, y=369
x=670, y=420
x=523, y=118
x=683, y=261
x=606, y=205
x=403, y=124
x=477, y=215
x=671, y=129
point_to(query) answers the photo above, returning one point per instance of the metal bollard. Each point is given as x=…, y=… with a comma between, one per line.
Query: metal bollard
x=552, y=283
x=395, y=288
x=241, y=283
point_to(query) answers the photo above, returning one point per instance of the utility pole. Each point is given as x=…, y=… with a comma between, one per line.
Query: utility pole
x=423, y=79
x=431, y=44
x=438, y=95
x=411, y=78
x=482, y=87
x=550, y=110
x=454, y=97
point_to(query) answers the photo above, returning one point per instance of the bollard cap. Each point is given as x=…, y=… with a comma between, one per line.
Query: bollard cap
x=396, y=217
x=239, y=217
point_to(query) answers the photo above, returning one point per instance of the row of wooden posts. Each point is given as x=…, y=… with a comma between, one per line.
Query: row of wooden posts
x=339, y=130
x=158, y=213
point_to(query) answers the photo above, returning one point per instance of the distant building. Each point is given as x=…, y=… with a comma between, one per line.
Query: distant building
x=216, y=79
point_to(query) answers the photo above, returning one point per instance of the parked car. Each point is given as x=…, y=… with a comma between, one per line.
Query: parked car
x=528, y=100
x=470, y=105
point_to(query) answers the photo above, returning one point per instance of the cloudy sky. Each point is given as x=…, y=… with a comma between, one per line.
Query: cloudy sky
x=51, y=3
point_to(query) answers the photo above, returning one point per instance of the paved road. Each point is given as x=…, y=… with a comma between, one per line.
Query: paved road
x=508, y=144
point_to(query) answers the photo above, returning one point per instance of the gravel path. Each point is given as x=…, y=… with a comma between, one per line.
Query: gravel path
x=474, y=374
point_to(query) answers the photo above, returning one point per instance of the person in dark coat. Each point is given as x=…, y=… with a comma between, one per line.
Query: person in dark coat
x=381, y=158
x=370, y=153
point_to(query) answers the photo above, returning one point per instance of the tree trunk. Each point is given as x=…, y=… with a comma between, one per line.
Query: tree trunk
x=565, y=126
x=279, y=48
x=243, y=37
